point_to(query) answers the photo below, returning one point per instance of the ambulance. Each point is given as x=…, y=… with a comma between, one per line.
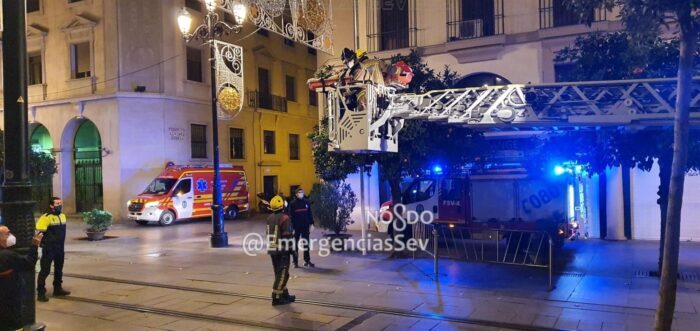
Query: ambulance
x=186, y=191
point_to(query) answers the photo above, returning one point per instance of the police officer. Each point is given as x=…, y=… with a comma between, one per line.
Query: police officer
x=53, y=225
x=280, y=236
x=300, y=210
x=11, y=263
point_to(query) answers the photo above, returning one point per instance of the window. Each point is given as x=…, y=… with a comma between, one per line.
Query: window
x=270, y=186
x=393, y=25
x=291, y=88
x=33, y=5
x=294, y=147
x=310, y=36
x=160, y=186
x=474, y=18
x=193, y=4
x=236, y=143
x=194, y=64
x=184, y=187
x=262, y=32
x=554, y=13
x=74, y=1
x=289, y=42
x=35, y=73
x=269, y=142
x=80, y=60
x=562, y=15
x=265, y=95
x=420, y=190
x=313, y=98
x=198, y=141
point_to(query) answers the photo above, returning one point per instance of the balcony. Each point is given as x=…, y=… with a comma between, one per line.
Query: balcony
x=267, y=101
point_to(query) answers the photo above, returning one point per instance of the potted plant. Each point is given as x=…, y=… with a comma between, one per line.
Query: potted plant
x=98, y=221
x=332, y=204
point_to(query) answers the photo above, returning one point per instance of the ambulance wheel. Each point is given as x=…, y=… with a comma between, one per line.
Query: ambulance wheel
x=231, y=212
x=142, y=222
x=166, y=218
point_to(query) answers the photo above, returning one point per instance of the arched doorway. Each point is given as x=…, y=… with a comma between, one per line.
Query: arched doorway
x=480, y=79
x=42, y=186
x=87, y=156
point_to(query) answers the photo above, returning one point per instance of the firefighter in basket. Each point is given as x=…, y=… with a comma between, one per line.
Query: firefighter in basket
x=359, y=68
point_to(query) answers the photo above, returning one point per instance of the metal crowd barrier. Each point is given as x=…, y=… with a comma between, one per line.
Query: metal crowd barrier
x=515, y=247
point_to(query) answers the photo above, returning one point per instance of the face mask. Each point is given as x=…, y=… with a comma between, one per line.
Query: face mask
x=57, y=210
x=11, y=241
x=300, y=195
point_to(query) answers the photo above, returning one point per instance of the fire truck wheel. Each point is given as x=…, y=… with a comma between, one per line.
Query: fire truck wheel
x=142, y=222
x=166, y=218
x=231, y=212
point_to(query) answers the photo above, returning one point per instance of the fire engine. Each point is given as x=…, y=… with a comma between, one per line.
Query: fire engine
x=515, y=202
x=185, y=191
x=374, y=126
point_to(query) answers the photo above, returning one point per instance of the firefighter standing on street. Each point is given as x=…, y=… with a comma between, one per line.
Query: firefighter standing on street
x=280, y=236
x=53, y=225
x=300, y=210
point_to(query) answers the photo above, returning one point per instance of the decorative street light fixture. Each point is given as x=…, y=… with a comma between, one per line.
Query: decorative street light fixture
x=208, y=31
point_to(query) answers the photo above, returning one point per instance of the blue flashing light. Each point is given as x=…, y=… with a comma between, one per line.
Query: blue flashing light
x=437, y=170
x=559, y=170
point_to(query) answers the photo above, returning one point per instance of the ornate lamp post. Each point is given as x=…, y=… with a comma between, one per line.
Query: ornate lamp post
x=208, y=31
x=17, y=206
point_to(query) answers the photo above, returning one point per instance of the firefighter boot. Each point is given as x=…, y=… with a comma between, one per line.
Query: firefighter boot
x=59, y=292
x=42, y=297
x=279, y=299
x=286, y=295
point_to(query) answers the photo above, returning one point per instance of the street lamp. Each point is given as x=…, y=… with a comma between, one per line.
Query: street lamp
x=208, y=32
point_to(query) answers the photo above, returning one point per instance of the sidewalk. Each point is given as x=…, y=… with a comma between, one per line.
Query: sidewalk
x=598, y=289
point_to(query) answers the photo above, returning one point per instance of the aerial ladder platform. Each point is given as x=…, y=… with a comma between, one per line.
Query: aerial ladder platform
x=373, y=125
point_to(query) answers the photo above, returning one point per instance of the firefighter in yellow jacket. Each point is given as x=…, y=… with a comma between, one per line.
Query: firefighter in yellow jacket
x=53, y=225
x=280, y=246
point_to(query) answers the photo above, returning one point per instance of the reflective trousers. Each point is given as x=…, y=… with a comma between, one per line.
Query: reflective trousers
x=280, y=263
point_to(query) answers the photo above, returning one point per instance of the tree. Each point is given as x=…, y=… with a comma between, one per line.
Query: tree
x=333, y=203
x=644, y=18
x=42, y=167
x=635, y=58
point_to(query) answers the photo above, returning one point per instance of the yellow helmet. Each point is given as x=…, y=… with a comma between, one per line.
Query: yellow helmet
x=276, y=203
x=360, y=52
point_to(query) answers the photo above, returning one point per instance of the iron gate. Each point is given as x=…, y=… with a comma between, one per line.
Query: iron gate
x=88, y=184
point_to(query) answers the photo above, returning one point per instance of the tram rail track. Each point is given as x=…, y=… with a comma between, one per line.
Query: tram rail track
x=362, y=308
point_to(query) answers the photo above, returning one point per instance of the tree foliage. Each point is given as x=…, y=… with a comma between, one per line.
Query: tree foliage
x=333, y=202
x=42, y=166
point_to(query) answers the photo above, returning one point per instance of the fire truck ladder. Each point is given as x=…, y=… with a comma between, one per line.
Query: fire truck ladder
x=373, y=126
